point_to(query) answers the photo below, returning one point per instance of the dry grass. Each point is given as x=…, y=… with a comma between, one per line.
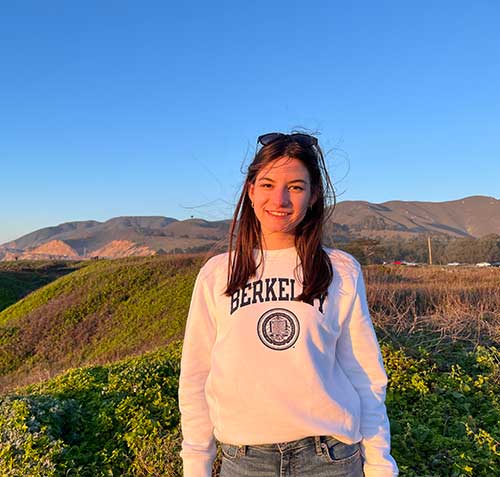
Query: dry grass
x=435, y=305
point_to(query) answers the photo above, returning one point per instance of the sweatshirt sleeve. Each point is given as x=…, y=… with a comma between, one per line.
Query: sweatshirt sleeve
x=198, y=445
x=360, y=357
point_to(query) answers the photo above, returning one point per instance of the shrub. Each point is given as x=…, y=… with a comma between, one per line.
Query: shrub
x=120, y=419
x=444, y=422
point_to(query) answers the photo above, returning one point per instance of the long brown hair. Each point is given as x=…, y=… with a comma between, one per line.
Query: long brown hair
x=317, y=270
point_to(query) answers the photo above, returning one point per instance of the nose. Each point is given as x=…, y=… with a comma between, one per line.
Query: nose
x=281, y=197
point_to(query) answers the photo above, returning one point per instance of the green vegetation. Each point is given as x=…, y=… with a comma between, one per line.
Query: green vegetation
x=17, y=279
x=445, y=249
x=444, y=413
x=441, y=330
x=116, y=420
x=121, y=419
x=104, y=311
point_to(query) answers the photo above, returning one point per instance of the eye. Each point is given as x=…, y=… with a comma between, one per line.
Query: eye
x=296, y=188
x=266, y=185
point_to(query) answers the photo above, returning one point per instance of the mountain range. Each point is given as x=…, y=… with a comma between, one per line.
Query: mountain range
x=474, y=216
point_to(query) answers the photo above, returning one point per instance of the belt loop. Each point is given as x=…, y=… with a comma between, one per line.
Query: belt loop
x=317, y=445
x=242, y=450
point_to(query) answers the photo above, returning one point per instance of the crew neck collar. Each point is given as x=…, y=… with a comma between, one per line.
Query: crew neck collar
x=276, y=252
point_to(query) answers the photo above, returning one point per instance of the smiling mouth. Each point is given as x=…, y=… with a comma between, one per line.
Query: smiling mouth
x=276, y=213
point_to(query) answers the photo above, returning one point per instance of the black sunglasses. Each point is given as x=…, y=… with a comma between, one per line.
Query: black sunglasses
x=304, y=139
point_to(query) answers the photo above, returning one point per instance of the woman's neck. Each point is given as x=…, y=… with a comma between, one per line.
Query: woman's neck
x=277, y=242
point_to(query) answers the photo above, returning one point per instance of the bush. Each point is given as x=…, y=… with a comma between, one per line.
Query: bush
x=121, y=419
x=445, y=422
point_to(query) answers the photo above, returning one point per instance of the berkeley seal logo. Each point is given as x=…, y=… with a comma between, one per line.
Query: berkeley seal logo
x=278, y=329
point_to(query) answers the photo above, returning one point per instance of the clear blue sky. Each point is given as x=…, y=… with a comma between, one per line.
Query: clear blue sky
x=112, y=108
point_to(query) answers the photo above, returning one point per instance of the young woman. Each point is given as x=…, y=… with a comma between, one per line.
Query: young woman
x=280, y=361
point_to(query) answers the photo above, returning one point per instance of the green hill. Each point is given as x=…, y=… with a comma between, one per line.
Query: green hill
x=101, y=312
x=119, y=416
x=17, y=279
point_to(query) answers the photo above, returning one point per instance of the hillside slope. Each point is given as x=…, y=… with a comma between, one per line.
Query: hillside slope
x=105, y=311
x=148, y=235
x=17, y=279
x=475, y=216
x=123, y=419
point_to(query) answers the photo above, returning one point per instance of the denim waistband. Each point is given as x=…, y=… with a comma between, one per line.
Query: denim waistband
x=315, y=441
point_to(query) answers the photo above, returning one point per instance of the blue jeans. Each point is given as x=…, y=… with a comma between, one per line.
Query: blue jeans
x=322, y=456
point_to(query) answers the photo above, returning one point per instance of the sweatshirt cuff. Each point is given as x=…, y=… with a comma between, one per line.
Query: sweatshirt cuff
x=197, y=467
x=378, y=471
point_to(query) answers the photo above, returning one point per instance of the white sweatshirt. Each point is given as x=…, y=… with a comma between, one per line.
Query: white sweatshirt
x=259, y=367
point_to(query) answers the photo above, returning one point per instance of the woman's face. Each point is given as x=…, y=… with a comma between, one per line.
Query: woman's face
x=281, y=195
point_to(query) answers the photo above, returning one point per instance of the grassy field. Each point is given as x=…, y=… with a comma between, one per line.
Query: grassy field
x=433, y=306
x=439, y=330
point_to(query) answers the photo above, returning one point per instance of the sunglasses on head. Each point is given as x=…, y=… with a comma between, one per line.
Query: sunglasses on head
x=304, y=139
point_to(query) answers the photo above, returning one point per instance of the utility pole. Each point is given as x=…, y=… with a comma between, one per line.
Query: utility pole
x=430, y=249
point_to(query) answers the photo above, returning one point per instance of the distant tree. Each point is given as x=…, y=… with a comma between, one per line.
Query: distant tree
x=489, y=248
x=471, y=250
x=457, y=250
x=366, y=251
x=394, y=249
x=438, y=245
x=444, y=249
x=416, y=250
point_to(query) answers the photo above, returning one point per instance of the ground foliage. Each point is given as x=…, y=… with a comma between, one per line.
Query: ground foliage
x=114, y=420
x=445, y=414
x=443, y=394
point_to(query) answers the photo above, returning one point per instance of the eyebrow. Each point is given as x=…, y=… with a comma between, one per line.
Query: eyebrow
x=289, y=182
